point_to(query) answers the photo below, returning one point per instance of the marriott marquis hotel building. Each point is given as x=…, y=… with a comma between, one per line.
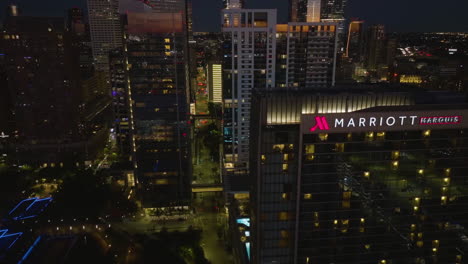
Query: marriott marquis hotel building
x=359, y=177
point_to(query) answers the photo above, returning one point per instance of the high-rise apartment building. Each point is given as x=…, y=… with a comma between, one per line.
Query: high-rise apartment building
x=105, y=29
x=374, y=175
x=260, y=54
x=306, y=55
x=249, y=62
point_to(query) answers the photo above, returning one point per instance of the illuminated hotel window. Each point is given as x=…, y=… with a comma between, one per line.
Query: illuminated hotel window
x=263, y=158
x=285, y=157
x=420, y=171
x=367, y=246
x=380, y=135
x=426, y=133
x=166, y=40
x=349, y=136
x=283, y=216
x=323, y=137
x=167, y=53
x=156, y=109
x=162, y=182
x=284, y=234
x=344, y=225
x=446, y=181
x=369, y=136
x=339, y=147
x=444, y=190
x=278, y=147
x=167, y=47
x=310, y=149
x=443, y=200
x=285, y=196
x=417, y=200
x=447, y=172
x=366, y=174
x=285, y=167
x=395, y=164
x=413, y=227
x=420, y=243
x=307, y=196
x=316, y=216
x=395, y=155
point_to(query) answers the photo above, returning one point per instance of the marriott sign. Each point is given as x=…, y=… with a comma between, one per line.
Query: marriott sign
x=384, y=121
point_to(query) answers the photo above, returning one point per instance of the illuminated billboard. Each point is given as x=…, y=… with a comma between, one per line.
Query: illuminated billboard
x=383, y=121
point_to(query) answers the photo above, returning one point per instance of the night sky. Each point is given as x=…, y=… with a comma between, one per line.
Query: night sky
x=397, y=15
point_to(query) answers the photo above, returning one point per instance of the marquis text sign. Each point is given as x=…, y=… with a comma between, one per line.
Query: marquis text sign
x=384, y=121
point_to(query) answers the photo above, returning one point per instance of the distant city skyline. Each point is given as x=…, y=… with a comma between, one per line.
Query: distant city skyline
x=397, y=15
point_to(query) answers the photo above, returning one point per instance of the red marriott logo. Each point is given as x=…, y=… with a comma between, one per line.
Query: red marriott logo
x=320, y=123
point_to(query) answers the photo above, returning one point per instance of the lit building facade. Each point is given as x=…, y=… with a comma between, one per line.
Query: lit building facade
x=249, y=62
x=215, y=82
x=105, y=30
x=369, y=176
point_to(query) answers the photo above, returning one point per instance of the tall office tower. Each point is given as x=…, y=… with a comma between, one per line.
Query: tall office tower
x=75, y=21
x=333, y=9
x=106, y=30
x=44, y=92
x=305, y=10
x=369, y=176
x=155, y=50
x=78, y=37
x=230, y=4
x=355, y=43
x=306, y=55
x=249, y=62
x=13, y=10
x=375, y=46
x=329, y=11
